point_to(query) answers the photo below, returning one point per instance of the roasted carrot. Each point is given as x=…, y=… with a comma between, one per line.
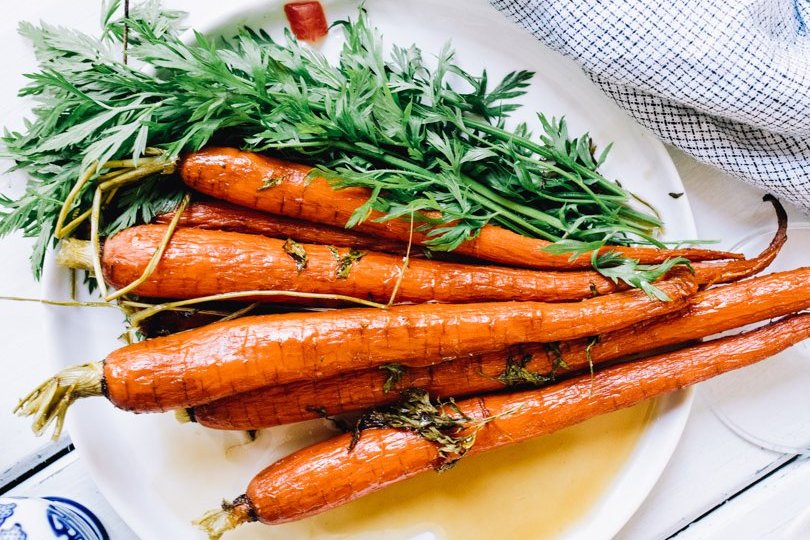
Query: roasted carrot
x=710, y=312
x=202, y=365
x=222, y=216
x=216, y=215
x=325, y=475
x=200, y=262
x=284, y=188
x=209, y=262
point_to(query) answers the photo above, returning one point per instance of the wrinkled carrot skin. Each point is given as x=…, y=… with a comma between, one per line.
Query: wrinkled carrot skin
x=221, y=216
x=325, y=475
x=307, y=20
x=221, y=359
x=710, y=312
x=238, y=177
x=201, y=262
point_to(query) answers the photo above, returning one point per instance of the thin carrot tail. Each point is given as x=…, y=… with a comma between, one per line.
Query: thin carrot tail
x=49, y=401
x=709, y=274
x=217, y=522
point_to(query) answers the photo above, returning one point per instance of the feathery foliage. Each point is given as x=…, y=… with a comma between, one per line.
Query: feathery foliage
x=384, y=120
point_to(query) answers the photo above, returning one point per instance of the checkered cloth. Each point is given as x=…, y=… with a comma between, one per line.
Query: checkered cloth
x=727, y=81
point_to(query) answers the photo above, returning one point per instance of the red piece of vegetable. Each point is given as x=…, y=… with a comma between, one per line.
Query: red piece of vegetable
x=307, y=20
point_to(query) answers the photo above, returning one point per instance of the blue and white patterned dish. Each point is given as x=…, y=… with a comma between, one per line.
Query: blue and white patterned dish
x=47, y=518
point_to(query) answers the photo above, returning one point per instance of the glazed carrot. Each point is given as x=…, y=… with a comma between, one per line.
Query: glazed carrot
x=200, y=262
x=710, y=312
x=221, y=216
x=284, y=188
x=325, y=475
x=225, y=358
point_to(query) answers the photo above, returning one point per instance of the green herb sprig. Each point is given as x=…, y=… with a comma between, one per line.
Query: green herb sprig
x=386, y=121
x=442, y=423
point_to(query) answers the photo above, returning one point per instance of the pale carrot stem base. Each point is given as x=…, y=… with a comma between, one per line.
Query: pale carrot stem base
x=217, y=522
x=76, y=254
x=49, y=402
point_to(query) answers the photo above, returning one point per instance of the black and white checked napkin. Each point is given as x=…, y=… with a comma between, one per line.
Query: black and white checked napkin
x=727, y=81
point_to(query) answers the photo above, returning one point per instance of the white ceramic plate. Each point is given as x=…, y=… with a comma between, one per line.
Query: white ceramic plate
x=158, y=474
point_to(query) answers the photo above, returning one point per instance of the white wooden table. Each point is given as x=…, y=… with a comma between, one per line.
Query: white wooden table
x=716, y=486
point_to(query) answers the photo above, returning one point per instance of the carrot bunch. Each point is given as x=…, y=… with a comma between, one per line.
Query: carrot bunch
x=524, y=331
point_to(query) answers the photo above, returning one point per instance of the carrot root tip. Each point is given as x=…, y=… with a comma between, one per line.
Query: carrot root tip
x=217, y=522
x=49, y=402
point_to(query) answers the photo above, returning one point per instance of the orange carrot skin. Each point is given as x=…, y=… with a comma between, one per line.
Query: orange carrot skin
x=710, y=312
x=208, y=363
x=201, y=262
x=222, y=216
x=240, y=177
x=325, y=475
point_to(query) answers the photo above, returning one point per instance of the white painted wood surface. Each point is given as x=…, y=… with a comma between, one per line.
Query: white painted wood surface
x=69, y=478
x=777, y=508
x=710, y=465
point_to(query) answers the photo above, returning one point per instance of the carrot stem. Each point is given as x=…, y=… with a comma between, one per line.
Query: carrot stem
x=217, y=522
x=139, y=317
x=75, y=254
x=95, y=219
x=405, y=261
x=59, y=230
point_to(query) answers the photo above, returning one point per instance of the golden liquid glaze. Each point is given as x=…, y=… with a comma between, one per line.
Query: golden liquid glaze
x=532, y=490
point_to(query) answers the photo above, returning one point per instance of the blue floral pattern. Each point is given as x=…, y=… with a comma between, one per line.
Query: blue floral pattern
x=54, y=518
x=66, y=524
x=6, y=511
x=14, y=533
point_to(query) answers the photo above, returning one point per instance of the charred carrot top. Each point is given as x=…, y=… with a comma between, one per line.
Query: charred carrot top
x=710, y=312
x=241, y=178
x=200, y=262
x=209, y=363
x=325, y=475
